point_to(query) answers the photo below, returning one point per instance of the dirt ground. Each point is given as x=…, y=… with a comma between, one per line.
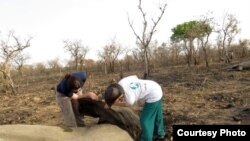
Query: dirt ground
x=191, y=96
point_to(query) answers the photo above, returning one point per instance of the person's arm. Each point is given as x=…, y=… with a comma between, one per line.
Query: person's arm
x=90, y=95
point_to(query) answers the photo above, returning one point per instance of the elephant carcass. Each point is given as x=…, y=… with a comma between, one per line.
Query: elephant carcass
x=124, y=118
x=239, y=67
x=104, y=132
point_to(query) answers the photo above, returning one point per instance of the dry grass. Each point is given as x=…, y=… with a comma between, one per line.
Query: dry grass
x=191, y=96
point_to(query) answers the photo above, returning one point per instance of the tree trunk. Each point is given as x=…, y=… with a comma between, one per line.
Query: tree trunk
x=105, y=68
x=146, y=72
x=76, y=64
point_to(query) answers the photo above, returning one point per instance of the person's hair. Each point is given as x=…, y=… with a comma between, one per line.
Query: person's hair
x=112, y=92
x=73, y=82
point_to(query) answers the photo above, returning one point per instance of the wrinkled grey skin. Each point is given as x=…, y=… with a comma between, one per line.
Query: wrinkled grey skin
x=104, y=132
x=239, y=67
x=124, y=118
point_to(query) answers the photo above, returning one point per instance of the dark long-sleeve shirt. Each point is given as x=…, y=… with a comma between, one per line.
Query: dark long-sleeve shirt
x=64, y=89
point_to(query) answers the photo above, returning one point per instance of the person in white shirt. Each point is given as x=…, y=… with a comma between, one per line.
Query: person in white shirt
x=134, y=90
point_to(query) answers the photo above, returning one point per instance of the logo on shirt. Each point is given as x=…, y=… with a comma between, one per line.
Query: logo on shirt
x=134, y=85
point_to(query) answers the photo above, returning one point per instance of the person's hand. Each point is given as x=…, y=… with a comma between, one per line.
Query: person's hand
x=93, y=96
x=106, y=106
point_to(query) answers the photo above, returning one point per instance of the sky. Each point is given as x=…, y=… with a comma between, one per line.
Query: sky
x=98, y=22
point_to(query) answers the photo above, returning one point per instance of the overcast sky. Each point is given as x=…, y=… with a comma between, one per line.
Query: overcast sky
x=97, y=22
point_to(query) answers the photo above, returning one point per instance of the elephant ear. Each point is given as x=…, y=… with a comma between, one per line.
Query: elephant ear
x=91, y=107
x=122, y=117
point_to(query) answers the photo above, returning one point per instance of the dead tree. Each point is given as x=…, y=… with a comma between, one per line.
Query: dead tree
x=147, y=33
x=128, y=59
x=20, y=60
x=109, y=56
x=77, y=51
x=9, y=49
x=228, y=31
x=83, y=53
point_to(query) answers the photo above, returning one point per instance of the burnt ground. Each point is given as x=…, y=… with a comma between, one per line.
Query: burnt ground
x=191, y=96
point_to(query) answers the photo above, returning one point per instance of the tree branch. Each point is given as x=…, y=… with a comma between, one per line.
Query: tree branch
x=162, y=9
x=131, y=26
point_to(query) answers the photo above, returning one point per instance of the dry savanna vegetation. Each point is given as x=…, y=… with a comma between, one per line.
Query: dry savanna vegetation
x=191, y=96
x=192, y=68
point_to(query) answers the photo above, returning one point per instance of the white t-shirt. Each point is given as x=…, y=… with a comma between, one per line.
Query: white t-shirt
x=137, y=89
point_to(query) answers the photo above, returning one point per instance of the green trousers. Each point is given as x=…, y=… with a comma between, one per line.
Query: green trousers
x=151, y=120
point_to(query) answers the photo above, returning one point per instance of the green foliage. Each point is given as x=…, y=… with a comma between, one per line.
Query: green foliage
x=190, y=30
x=178, y=32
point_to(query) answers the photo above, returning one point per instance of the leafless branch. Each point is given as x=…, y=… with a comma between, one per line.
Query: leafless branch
x=131, y=26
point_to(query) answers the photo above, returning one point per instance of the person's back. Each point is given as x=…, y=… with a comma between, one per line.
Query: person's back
x=64, y=86
x=134, y=90
x=139, y=89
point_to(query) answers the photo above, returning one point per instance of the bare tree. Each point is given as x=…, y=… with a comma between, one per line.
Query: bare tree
x=243, y=47
x=228, y=31
x=82, y=56
x=137, y=56
x=147, y=33
x=128, y=61
x=175, y=50
x=109, y=55
x=40, y=68
x=54, y=64
x=20, y=61
x=9, y=49
x=161, y=54
x=77, y=51
x=103, y=60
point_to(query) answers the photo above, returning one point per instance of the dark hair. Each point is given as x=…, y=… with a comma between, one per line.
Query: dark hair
x=73, y=82
x=113, y=92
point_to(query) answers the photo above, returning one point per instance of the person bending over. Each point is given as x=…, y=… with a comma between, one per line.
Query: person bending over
x=68, y=91
x=137, y=90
